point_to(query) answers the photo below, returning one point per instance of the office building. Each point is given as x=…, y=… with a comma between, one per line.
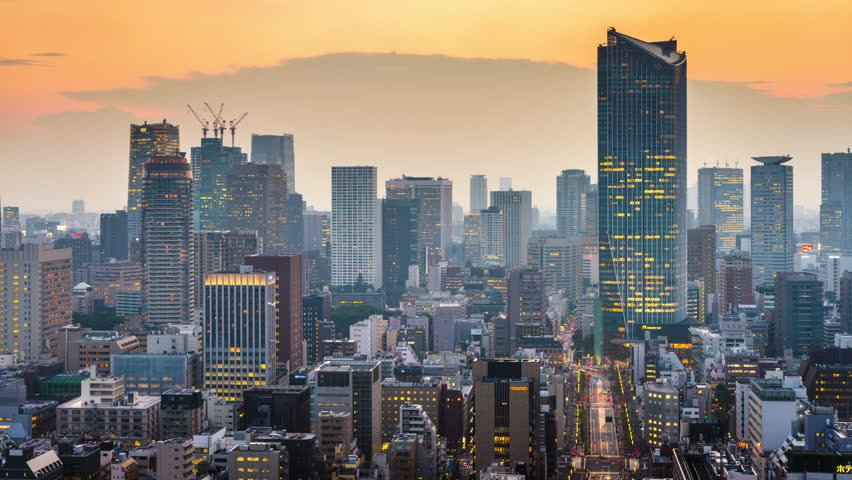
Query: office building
x=181, y=413
x=356, y=236
x=276, y=150
x=835, y=210
x=154, y=373
x=295, y=224
x=93, y=350
x=11, y=219
x=167, y=241
x=24, y=463
x=641, y=89
x=798, y=312
x=369, y=335
x=701, y=256
x=478, y=193
x=239, y=332
x=772, y=245
x=434, y=214
x=257, y=201
x=316, y=316
x=526, y=304
x=771, y=409
x=280, y=407
x=334, y=431
x=218, y=251
x=114, y=240
x=267, y=461
x=317, y=232
x=426, y=394
x=81, y=254
x=571, y=186
x=472, y=240
x=720, y=203
x=146, y=141
x=211, y=164
x=516, y=208
x=411, y=457
x=40, y=309
x=560, y=261
x=845, y=302
x=825, y=374
x=735, y=285
x=507, y=420
x=661, y=413
x=175, y=459
x=399, y=240
x=492, y=246
x=288, y=320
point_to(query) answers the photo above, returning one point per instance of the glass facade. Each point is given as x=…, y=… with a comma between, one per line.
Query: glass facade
x=149, y=374
x=399, y=240
x=641, y=183
x=836, y=205
x=146, y=140
x=720, y=203
x=772, y=245
x=211, y=163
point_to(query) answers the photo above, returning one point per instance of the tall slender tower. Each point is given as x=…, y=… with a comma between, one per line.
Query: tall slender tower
x=478, y=193
x=356, y=226
x=516, y=206
x=167, y=246
x=570, y=187
x=720, y=203
x=399, y=240
x=146, y=141
x=835, y=210
x=641, y=182
x=276, y=150
x=772, y=246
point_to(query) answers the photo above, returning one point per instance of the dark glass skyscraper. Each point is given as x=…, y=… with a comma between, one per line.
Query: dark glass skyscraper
x=146, y=140
x=211, y=163
x=257, y=200
x=277, y=150
x=641, y=183
x=772, y=245
x=114, y=236
x=835, y=210
x=570, y=187
x=399, y=240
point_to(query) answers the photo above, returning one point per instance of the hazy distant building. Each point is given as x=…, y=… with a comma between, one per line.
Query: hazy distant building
x=167, y=244
x=505, y=183
x=295, y=242
x=317, y=231
x=701, y=260
x=257, y=200
x=434, y=214
x=81, y=254
x=492, y=246
x=146, y=141
x=276, y=150
x=211, y=165
x=641, y=90
x=478, y=193
x=516, y=207
x=720, y=203
x=11, y=219
x=845, y=302
x=798, y=312
x=836, y=206
x=571, y=185
x=561, y=262
x=78, y=207
x=399, y=240
x=526, y=303
x=356, y=237
x=218, y=251
x=735, y=283
x=114, y=242
x=40, y=309
x=772, y=245
x=472, y=241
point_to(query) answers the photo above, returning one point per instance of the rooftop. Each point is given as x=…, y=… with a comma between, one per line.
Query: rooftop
x=773, y=160
x=668, y=55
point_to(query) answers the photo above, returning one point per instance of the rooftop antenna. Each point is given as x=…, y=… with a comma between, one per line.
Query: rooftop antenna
x=205, y=125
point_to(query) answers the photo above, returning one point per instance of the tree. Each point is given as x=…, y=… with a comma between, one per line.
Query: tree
x=344, y=317
x=97, y=321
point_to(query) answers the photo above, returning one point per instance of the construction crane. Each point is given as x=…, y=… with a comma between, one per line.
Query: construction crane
x=219, y=123
x=205, y=125
x=234, y=124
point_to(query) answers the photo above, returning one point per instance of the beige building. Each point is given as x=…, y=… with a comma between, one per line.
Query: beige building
x=93, y=349
x=257, y=461
x=334, y=429
x=175, y=460
x=395, y=394
x=107, y=279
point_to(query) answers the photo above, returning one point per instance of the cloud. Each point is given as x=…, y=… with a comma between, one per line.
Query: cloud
x=842, y=84
x=48, y=54
x=14, y=62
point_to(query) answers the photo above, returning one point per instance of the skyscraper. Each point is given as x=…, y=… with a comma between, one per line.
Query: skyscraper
x=11, y=218
x=399, y=240
x=257, y=200
x=526, y=304
x=288, y=313
x=78, y=207
x=798, y=312
x=641, y=182
x=735, y=285
x=561, y=262
x=472, y=242
x=33, y=310
x=220, y=251
x=295, y=223
x=168, y=253
x=478, y=193
x=516, y=206
x=492, y=236
x=239, y=331
x=434, y=214
x=570, y=187
x=720, y=203
x=317, y=232
x=114, y=241
x=156, y=139
x=356, y=236
x=81, y=254
x=505, y=183
x=211, y=164
x=835, y=210
x=276, y=150
x=772, y=246
x=701, y=256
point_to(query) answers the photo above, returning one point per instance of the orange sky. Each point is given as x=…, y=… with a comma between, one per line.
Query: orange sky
x=798, y=48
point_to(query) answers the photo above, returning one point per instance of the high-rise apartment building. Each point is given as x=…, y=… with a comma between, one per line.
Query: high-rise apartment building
x=434, y=214
x=146, y=141
x=167, y=241
x=114, y=240
x=516, y=208
x=211, y=164
x=560, y=261
x=239, y=331
x=641, y=182
x=257, y=200
x=317, y=232
x=570, y=187
x=35, y=299
x=492, y=246
x=701, y=256
x=720, y=203
x=356, y=236
x=735, y=285
x=506, y=424
x=276, y=150
x=772, y=245
x=478, y=193
x=288, y=319
x=399, y=240
x=835, y=210
x=798, y=312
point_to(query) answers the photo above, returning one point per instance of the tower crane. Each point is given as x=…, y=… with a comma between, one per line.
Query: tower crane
x=234, y=124
x=205, y=125
x=219, y=123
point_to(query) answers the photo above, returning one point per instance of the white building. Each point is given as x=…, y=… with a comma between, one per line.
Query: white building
x=356, y=226
x=771, y=411
x=369, y=335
